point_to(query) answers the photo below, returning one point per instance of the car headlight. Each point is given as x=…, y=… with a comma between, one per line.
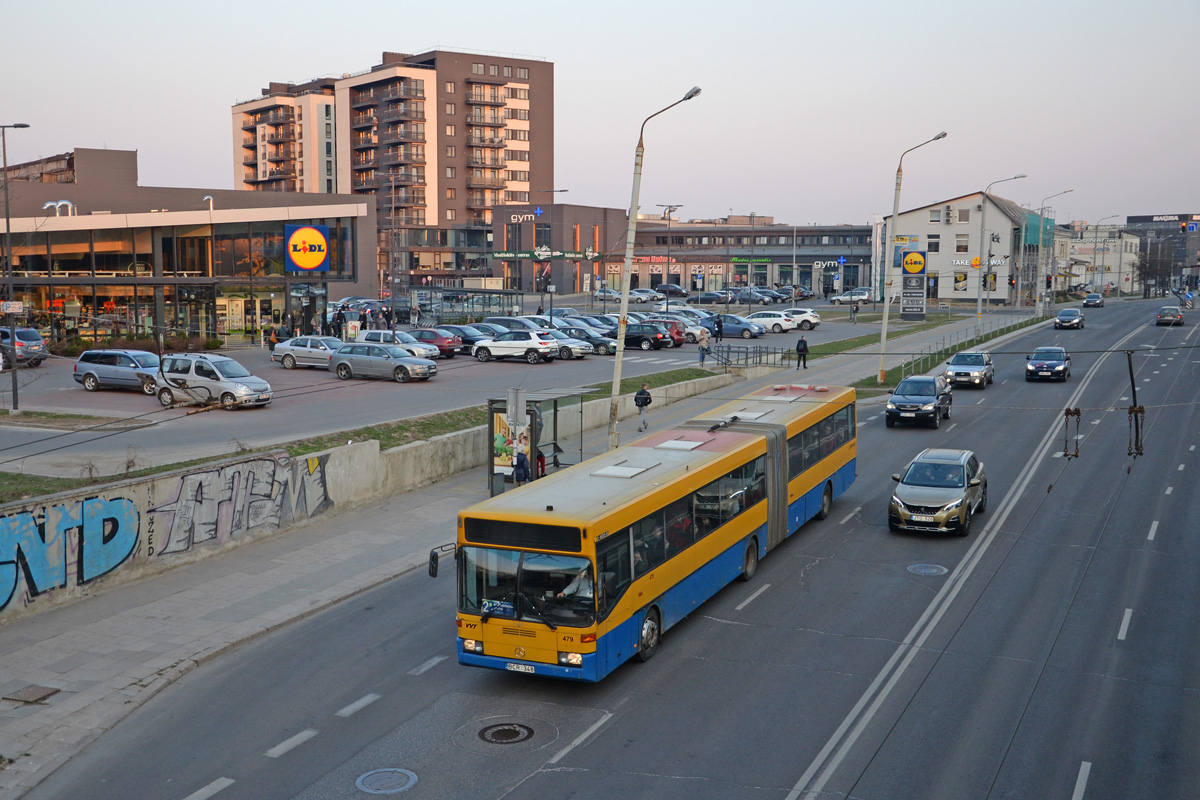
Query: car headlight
x=976, y=374
x=898, y=503
x=472, y=646
x=954, y=505
x=929, y=407
x=242, y=388
x=891, y=406
x=1060, y=367
x=570, y=659
x=1030, y=367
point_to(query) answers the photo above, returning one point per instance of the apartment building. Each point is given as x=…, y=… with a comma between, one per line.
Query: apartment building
x=439, y=139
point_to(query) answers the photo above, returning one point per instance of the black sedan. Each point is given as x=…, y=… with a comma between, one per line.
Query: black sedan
x=469, y=334
x=1069, y=318
x=706, y=298
x=1048, y=363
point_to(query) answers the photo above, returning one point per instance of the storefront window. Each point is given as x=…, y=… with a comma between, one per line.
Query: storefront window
x=71, y=253
x=231, y=250
x=191, y=252
x=114, y=253
x=266, y=248
x=235, y=312
x=29, y=255
x=143, y=262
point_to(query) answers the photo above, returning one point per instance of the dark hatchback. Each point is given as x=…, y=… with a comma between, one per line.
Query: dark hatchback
x=646, y=335
x=469, y=334
x=1048, y=364
x=922, y=398
x=1069, y=318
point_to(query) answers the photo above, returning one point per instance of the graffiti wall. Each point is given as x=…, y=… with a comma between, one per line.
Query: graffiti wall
x=52, y=549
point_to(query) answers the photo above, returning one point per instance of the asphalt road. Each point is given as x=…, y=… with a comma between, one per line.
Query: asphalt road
x=308, y=402
x=1055, y=658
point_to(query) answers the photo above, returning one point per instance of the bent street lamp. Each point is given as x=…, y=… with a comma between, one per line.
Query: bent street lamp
x=985, y=265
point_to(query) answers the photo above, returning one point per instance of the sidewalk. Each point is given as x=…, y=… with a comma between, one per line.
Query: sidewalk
x=104, y=656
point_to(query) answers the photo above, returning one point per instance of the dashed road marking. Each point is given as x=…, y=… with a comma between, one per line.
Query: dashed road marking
x=360, y=704
x=1085, y=769
x=428, y=665
x=750, y=599
x=1124, y=625
x=849, y=516
x=1153, y=530
x=210, y=790
x=289, y=744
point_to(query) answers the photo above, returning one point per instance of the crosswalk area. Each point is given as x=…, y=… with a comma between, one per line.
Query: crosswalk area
x=681, y=359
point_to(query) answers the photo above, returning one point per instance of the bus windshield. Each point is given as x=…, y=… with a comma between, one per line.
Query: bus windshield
x=511, y=584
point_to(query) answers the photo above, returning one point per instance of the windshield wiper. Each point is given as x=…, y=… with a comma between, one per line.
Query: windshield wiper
x=540, y=618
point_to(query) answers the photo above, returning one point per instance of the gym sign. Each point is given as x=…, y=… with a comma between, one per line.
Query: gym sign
x=306, y=248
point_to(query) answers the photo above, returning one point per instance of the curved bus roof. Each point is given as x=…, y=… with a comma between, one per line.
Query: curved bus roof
x=586, y=492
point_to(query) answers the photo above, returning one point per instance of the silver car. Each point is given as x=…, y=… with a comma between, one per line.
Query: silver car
x=306, y=351
x=569, y=346
x=387, y=361
x=207, y=379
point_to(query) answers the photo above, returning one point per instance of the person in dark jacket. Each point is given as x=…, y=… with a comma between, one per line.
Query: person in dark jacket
x=802, y=353
x=521, y=468
x=718, y=329
x=642, y=400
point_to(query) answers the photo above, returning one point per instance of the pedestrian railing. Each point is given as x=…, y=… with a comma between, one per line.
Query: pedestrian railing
x=735, y=355
x=940, y=350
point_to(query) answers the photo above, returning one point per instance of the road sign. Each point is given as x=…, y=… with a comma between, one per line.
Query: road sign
x=12, y=307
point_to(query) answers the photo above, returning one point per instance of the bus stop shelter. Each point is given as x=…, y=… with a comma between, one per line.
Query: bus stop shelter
x=538, y=434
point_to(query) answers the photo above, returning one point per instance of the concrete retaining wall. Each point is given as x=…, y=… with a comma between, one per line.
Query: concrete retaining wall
x=59, y=548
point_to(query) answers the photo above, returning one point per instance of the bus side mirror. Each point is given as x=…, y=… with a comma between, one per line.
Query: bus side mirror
x=433, y=563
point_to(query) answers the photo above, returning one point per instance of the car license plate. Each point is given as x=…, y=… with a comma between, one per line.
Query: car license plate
x=264, y=397
x=922, y=518
x=518, y=667
x=1044, y=374
x=908, y=413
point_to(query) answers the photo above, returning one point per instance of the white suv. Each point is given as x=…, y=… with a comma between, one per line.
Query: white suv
x=207, y=379
x=529, y=345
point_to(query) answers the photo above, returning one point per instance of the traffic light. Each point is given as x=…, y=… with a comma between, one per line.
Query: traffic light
x=1183, y=228
x=1012, y=280
x=1048, y=282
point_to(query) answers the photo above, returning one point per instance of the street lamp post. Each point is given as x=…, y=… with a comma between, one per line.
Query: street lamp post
x=1096, y=244
x=1041, y=286
x=750, y=268
x=8, y=265
x=627, y=270
x=889, y=254
x=985, y=255
x=545, y=286
x=669, y=208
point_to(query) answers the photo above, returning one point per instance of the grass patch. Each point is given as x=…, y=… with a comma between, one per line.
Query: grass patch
x=395, y=434
x=56, y=417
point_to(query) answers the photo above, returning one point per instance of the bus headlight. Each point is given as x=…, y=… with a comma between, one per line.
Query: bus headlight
x=472, y=646
x=570, y=659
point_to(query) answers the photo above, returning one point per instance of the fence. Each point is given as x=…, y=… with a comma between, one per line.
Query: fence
x=935, y=352
x=737, y=355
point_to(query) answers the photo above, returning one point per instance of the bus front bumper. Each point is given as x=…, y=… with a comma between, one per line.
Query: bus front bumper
x=586, y=672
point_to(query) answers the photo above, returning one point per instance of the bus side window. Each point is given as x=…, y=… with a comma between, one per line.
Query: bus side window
x=613, y=566
x=795, y=455
x=649, y=546
x=707, y=502
x=828, y=437
x=812, y=447
x=681, y=531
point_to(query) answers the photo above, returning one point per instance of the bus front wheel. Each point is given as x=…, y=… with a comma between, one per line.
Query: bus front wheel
x=749, y=560
x=826, y=503
x=648, y=641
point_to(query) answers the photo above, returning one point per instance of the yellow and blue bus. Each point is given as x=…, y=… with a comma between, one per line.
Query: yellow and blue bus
x=575, y=573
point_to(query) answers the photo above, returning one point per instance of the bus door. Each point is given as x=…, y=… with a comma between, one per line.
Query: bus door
x=777, y=483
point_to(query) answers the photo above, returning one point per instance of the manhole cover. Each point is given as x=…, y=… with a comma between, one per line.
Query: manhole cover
x=928, y=569
x=509, y=733
x=386, y=781
x=31, y=694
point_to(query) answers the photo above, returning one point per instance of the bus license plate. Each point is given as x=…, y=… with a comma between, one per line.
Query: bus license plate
x=922, y=518
x=518, y=667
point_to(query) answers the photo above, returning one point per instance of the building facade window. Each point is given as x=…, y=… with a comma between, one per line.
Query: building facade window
x=450, y=172
x=935, y=215
x=961, y=242
x=328, y=130
x=516, y=135
x=451, y=192
x=450, y=109
x=508, y=72
x=493, y=69
x=329, y=148
x=329, y=186
x=450, y=215
x=515, y=93
x=516, y=175
x=934, y=245
x=449, y=87
x=449, y=130
x=516, y=197
x=964, y=215
x=516, y=113
x=514, y=155
x=477, y=69
x=450, y=151
x=523, y=73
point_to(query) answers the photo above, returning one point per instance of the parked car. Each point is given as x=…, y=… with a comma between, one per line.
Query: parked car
x=673, y=327
x=448, y=343
x=734, y=325
x=602, y=325
x=563, y=312
x=527, y=344
x=774, y=321
x=568, y=346
x=972, y=368
x=602, y=345
x=802, y=293
x=669, y=305
x=207, y=378
x=805, y=318
x=470, y=334
x=306, y=351
x=707, y=298
x=606, y=295
x=516, y=323
x=752, y=296
x=1069, y=318
x=920, y=398
x=414, y=348
x=387, y=361
x=30, y=348
x=490, y=329
x=646, y=295
x=671, y=290
x=646, y=336
x=939, y=492
x=1167, y=315
x=861, y=295
x=1094, y=300
x=691, y=326
x=117, y=369
x=1049, y=363
x=774, y=294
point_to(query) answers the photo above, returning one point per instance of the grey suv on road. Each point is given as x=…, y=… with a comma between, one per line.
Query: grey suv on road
x=117, y=369
x=206, y=379
x=920, y=398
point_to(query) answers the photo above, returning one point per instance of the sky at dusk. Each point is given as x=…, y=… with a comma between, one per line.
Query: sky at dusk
x=805, y=110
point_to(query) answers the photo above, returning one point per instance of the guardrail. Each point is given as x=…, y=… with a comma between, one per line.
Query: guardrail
x=949, y=344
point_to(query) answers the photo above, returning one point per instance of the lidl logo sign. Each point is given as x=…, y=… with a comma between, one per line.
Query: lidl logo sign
x=914, y=263
x=307, y=248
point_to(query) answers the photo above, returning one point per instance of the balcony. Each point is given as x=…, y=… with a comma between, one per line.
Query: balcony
x=401, y=199
x=363, y=99
x=364, y=161
x=497, y=161
x=479, y=221
x=479, y=201
x=364, y=140
x=396, y=113
x=280, y=173
x=363, y=120
x=282, y=154
x=364, y=181
x=486, y=141
x=484, y=183
x=249, y=141
x=284, y=134
x=250, y=159
x=492, y=120
x=278, y=186
x=402, y=155
x=404, y=91
x=400, y=178
x=393, y=135
x=484, y=98
x=283, y=116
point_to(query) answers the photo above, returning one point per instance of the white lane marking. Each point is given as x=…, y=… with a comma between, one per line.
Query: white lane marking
x=1085, y=769
x=359, y=704
x=750, y=599
x=1181, y=467
x=1124, y=625
x=286, y=745
x=877, y=417
x=210, y=790
x=1190, y=449
x=846, y=518
x=1096, y=421
x=1145, y=380
x=1156, y=371
x=1004, y=381
x=428, y=665
x=1153, y=530
x=980, y=400
x=581, y=737
x=1080, y=436
x=1056, y=454
x=953, y=425
x=1170, y=489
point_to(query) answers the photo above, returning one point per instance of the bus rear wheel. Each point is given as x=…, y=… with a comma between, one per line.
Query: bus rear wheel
x=749, y=560
x=826, y=503
x=650, y=636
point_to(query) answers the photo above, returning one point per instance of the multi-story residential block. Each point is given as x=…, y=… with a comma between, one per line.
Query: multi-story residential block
x=438, y=139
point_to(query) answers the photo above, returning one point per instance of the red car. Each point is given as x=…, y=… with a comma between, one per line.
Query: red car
x=675, y=328
x=448, y=343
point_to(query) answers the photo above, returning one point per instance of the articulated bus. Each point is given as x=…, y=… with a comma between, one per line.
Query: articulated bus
x=573, y=574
